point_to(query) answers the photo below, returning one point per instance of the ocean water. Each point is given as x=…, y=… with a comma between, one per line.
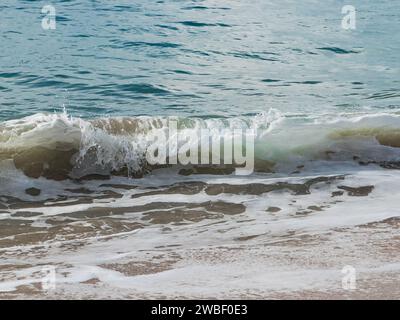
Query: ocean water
x=77, y=105
x=200, y=58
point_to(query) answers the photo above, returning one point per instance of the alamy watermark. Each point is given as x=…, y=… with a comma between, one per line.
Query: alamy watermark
x=49, y=22
x=349, y=280
x=349, y=20
x=48, y=274
x=226, y=146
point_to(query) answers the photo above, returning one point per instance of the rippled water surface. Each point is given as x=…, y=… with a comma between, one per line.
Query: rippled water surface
x=197, y=58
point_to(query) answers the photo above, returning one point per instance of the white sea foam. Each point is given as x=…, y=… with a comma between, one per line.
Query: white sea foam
x=111, y=144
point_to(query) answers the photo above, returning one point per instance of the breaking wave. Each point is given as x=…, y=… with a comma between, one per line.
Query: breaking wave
x=58, y=146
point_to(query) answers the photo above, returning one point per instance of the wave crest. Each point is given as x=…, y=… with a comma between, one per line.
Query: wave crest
x=58, y=146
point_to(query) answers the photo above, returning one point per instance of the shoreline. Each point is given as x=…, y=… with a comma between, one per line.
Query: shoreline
x=303, y=266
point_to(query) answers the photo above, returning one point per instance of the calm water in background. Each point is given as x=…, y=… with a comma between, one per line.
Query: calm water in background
x=198, y=58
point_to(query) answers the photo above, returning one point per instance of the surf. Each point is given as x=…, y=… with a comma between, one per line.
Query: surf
x=58, y=146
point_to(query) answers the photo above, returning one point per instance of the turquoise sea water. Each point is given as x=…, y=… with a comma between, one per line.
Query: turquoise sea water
x=198, y=58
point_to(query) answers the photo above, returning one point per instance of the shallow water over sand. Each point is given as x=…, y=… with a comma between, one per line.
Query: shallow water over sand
x=205, y=237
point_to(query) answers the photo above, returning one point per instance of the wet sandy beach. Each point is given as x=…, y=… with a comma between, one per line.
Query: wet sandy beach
x=283, y=239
